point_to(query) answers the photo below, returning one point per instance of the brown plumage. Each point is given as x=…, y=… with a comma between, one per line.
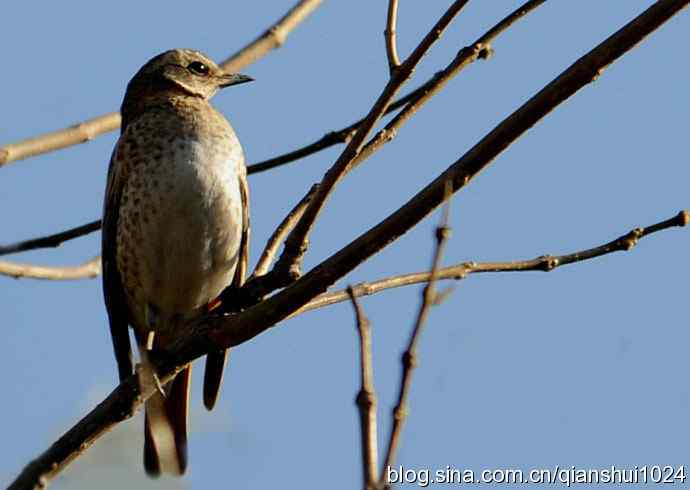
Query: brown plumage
x=175, y=229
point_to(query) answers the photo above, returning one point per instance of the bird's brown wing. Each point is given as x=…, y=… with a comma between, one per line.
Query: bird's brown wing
x=113, y=292
x=215, y=361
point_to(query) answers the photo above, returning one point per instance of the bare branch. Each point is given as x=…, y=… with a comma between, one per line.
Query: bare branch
x=55, y=140
x=544, y=263
x=345, y=134
x=87, y=270
x=409, y=358
x=296, y=243
x=366, y=398
x=390, y=36
x=122, y=403
x=88, y=130
x=273, y=38
x=280, y=233
x=51, y=240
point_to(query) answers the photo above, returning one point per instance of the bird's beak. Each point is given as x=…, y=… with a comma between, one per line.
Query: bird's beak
x=233, y=79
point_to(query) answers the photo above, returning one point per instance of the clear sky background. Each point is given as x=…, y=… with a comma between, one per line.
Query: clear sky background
x=586, y=366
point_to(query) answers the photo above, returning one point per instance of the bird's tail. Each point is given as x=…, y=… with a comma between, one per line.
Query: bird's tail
x=165, y=425
x=213, y=376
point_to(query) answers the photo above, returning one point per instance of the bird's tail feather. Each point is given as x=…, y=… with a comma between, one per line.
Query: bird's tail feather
x=213, y=376
x=165, y=425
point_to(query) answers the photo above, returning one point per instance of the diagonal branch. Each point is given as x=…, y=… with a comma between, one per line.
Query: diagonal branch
x=88, y=130
x=89, y=269
x=366, y=398
x=345, y=134
x=54, y=240
x=296, y=243
x=409, y=357
x=273, y=38
x=280, y=233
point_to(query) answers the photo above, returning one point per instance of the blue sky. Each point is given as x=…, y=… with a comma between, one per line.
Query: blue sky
x=584, y=366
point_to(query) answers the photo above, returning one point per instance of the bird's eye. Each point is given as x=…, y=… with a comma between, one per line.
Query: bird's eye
x=198, y=67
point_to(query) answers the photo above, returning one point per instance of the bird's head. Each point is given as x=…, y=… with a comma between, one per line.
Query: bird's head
x=178, y=72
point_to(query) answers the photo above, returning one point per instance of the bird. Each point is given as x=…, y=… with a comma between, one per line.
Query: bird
x=175, y=231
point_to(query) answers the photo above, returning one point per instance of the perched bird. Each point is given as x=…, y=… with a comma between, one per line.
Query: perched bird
x=175, y=230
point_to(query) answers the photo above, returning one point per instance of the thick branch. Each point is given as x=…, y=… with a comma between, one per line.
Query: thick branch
x=122, y=403
x=88, y=130
x=366, y=398
x=89, y=269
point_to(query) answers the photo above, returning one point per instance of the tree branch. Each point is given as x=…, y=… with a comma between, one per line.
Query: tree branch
x=366, y=398
x=273, y=38
x=390, y=36
x=297, y=242
x=280, y=233
x=88, y=130
x=544, y=263
x=89, y=269
x=409, y=358
x=51, y=240
x=345, y=134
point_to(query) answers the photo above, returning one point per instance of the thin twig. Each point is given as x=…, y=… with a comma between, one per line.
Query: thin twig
x=480, y=49
x=345, y=134
x=409, y=358
x=280, y=233
x=215, y=332
x=273, y=38
x=51, y=240
x=366, y=398
x=88, y=130
x=87, y=270
x=296, y=243
x=544, y=263
x=390, y=36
